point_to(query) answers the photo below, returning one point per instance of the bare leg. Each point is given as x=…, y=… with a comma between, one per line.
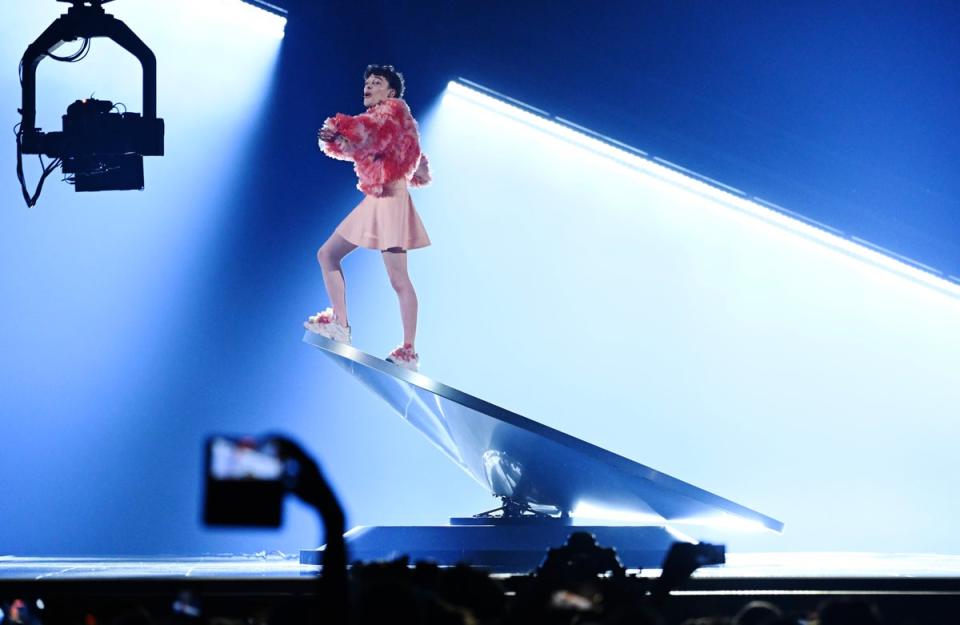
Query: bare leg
x=395, y=260
x=329, y=255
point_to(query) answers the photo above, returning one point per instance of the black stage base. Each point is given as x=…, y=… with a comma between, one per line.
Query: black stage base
x=499, y=548
x=916, y=589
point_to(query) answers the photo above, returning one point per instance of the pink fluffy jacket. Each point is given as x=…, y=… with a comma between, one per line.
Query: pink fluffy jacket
x=383, y=144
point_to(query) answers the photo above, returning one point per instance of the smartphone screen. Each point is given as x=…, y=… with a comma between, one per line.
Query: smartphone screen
x=244, y=483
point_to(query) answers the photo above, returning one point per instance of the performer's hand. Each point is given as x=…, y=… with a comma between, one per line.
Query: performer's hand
x=326, y=135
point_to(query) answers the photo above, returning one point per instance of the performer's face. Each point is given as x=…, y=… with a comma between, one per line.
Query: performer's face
x=376, y=89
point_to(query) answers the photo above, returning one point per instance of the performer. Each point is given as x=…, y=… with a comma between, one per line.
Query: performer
x=384, y=146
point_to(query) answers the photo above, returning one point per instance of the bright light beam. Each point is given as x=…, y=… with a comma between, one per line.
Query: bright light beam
x=242, y=16
x=755, y=208
x=725, y=522
x=585, y=510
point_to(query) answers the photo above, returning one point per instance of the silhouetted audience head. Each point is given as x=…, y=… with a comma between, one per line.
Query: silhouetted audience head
x=757, y=613
x=390, y=592
x=707, y=620
x=849, y=612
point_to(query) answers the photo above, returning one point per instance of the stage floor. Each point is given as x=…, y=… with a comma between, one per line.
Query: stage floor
x=739, y=566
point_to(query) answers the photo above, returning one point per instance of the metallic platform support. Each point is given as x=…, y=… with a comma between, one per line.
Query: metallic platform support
x=540, y=473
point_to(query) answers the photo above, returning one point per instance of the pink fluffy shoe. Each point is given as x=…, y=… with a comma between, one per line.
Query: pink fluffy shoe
x=325, y=324
x=404, y=356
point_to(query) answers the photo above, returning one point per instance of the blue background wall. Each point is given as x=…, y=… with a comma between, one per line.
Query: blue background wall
x=134, y=324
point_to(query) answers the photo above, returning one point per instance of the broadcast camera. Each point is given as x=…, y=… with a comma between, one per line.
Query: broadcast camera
x=100, y=148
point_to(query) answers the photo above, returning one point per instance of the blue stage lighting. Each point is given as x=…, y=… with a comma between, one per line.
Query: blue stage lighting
x=89, y=256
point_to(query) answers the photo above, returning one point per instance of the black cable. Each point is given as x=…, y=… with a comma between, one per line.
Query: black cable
x=47, y=170
x=79, y=55
x=89, y=46
x=76, y=57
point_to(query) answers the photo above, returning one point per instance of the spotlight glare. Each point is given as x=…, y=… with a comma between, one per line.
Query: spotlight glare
x=724, y=522
x=587, y=510
x=680, y=536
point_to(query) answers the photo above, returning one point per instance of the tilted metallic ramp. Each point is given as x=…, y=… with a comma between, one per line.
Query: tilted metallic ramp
x=514, y=457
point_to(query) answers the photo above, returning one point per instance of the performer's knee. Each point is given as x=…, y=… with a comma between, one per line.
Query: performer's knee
x=401, y=284
x=325, y=259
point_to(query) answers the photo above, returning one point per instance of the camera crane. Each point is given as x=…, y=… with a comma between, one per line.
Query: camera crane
x=102, y=149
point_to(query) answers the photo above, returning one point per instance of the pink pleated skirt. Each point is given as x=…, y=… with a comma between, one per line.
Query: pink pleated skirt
x=385, y=222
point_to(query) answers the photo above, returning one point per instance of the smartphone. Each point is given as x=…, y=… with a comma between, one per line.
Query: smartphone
x=244, y=484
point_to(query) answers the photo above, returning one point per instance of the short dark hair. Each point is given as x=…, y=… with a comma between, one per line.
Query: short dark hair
x=388, y=73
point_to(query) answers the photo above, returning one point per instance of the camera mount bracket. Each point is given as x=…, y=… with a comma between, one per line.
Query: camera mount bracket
x=85, y=19
x=513, y=510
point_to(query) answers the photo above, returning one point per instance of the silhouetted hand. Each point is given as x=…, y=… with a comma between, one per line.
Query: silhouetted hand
x=301, y=471
x=306, y=481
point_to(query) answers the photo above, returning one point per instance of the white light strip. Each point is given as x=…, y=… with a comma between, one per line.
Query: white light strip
x=268, y=7
x=727, y=196
x=246, y=17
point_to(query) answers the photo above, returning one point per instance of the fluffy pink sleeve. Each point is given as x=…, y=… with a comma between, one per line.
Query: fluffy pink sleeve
x=421, y=175
x=354, y=133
